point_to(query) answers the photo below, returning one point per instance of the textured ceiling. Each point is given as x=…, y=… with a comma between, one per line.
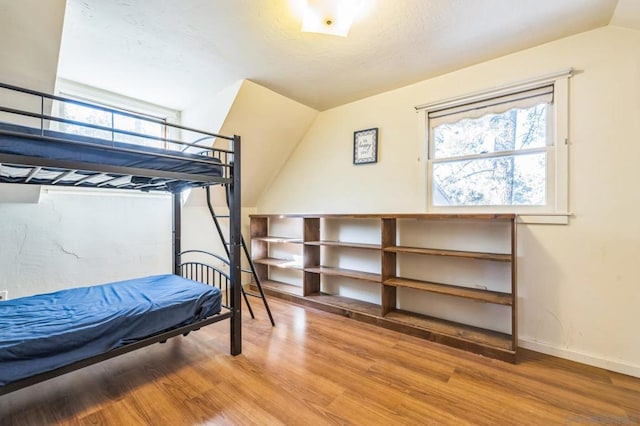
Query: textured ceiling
x=174, y=52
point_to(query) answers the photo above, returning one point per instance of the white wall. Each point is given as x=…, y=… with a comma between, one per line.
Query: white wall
x=578, y=286
x=269, y=124
x=17, y=193
x=210, y=111
x=74, y=238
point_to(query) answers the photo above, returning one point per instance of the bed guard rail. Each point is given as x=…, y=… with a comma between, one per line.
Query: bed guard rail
x=44, y=112
x=203, y=269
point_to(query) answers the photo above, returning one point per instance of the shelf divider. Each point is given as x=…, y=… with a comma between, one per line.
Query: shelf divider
x=311, y=257
x=388, y=238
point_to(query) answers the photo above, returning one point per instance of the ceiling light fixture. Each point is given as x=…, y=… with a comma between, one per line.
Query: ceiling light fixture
x=333, y=17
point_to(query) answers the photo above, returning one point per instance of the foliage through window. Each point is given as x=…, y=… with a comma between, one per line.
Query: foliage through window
x=493, y=152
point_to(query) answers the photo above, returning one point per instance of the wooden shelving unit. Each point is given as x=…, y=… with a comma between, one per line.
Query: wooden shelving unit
x=388, y=313
x=260, y=241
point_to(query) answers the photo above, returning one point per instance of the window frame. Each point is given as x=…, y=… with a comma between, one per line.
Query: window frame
x=556, y=210
x=73, y=90
x=81, y=92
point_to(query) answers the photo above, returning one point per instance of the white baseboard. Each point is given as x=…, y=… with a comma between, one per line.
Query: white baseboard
x=607, y=364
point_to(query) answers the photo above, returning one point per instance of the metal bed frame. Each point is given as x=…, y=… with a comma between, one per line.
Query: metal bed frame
x=155, y=180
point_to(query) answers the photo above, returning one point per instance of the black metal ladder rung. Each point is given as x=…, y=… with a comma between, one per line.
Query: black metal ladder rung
x=252, y=271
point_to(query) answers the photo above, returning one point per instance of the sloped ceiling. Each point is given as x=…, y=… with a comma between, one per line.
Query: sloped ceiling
x=30, y=37
x=168, y=52
x=627, y=14
x=269, y=124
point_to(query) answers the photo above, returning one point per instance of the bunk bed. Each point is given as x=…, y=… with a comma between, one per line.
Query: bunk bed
x=44, y=336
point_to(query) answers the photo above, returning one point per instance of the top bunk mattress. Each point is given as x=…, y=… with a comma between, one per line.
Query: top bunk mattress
x=28, y=141
x=44, y=332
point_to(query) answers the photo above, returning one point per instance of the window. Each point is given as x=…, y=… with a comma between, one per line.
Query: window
x=132, y=116
x=500, y=151
x=110, y=119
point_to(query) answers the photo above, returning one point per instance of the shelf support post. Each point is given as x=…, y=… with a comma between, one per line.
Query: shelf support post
x=389, y=293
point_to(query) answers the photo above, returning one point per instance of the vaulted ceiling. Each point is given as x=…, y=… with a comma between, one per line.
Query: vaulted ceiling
x=174, y=52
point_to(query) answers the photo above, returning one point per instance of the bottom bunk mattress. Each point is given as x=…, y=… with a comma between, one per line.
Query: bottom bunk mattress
x=43, y=332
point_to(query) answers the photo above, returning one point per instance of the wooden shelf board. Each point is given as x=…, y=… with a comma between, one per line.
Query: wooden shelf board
x=451, y=290
x=279, y=240
x=468, y=333
x=281, y=287
x=278, y=263
x=344, y=244
x=346, y=303
x=453, y=253
x=422, y=216
x=349, y=273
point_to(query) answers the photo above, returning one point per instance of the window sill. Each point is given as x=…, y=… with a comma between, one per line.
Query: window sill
x=101, y=192
x=544, y=219
x=525, y=218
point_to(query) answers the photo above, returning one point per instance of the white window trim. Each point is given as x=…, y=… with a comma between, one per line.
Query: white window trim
x=82, y=92
x=557, y=212
x=103, y=192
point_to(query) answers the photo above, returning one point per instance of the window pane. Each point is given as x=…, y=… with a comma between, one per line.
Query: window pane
x=88, y=115
x=130, y=124
x=499, y=181
x=514, y=129
x=99, y=117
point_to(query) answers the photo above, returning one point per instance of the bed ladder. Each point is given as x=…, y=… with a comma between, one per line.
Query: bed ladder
x=252, y=270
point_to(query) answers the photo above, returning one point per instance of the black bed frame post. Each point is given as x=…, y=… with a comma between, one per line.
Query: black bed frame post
x=177, y=226
x=235, y=213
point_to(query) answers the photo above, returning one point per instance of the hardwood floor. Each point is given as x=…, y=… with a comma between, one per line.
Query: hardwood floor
x=319, y=368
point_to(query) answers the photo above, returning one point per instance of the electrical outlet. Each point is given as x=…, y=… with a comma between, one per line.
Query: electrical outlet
x=4, y=295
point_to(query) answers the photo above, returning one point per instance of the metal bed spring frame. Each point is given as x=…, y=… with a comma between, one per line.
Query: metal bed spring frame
x=203, y=272
x=196, y=271
x=209, y=155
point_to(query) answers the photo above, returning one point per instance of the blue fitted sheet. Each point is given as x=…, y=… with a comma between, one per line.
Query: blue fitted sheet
x=47, y=331
x=43, y=148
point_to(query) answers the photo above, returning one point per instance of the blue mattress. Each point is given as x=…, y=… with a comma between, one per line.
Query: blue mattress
x=47, y=331
x=144, y=158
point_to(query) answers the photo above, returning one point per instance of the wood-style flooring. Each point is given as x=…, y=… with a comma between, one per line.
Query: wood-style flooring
x=316, y=368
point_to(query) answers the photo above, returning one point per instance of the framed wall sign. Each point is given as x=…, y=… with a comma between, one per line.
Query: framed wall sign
x=365, y=146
